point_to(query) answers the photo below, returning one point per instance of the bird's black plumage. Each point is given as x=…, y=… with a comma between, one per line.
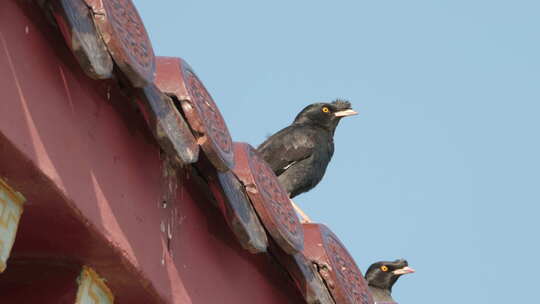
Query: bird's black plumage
x=382, y=276
x=300, y=153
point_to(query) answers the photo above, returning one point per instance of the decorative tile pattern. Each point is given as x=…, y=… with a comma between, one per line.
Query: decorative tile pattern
x=92, y=289
x=269, y=199
x=11, y=209
x=217, y=137
x=125, y=35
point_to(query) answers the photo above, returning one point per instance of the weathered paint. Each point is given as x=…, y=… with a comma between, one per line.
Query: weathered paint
x=75, y=20
x=335, y=265
x=305, y=275
x=238, y=211
x=168, y=126
x=176, y=78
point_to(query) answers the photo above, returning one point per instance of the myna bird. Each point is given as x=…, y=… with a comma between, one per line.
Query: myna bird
x=381, y=276
x=300, y=153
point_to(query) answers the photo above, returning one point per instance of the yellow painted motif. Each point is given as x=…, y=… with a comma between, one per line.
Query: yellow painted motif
x=92, y=289
x=11, y=208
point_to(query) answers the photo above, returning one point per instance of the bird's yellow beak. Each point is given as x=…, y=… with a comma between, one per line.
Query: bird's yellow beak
x=404, y=270
x=345, y=113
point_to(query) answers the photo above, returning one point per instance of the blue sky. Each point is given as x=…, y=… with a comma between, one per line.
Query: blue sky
x=441, y=166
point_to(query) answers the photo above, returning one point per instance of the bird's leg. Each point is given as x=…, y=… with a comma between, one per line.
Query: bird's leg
x=303, y=215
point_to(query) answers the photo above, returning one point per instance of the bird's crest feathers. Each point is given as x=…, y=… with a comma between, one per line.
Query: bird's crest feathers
x=342, y=103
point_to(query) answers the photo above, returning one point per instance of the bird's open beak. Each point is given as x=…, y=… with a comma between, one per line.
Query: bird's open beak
x=345, y=113
x=404, y=270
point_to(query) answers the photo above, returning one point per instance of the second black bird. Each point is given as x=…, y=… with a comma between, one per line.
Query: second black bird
x=300, y=153
x=382, y=276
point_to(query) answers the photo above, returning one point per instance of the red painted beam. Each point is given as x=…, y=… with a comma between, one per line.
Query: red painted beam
x=80, y=153
x=36, y=282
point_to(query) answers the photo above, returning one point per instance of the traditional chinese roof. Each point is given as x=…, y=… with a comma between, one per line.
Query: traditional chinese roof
x=132, y=179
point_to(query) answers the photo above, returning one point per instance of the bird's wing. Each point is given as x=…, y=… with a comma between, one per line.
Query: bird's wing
x=287, y=147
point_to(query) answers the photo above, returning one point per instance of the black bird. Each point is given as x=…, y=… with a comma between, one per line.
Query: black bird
x=300, y=153
x=381, y=276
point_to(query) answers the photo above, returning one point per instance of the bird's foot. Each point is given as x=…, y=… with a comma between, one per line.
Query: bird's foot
x=303, y=216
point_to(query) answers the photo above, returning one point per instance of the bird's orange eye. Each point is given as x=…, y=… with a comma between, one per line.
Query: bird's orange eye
x=325, y=109
x=384, y=268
